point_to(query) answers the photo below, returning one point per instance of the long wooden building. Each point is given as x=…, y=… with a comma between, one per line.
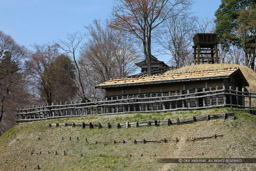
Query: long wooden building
x=168, y=82
x=179, y=83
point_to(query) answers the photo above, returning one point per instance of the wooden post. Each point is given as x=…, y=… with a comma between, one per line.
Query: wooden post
x=169, y=122
x=156, y=124
x=123, y=108
x=137, y=124
x=217, y=54
x=230, y=96
x=198, y=54
x=83, y=125
x=178, y=121
x=237, y=99
x=99, y=125
x=102, y=110
x=112, y=109
x=117, y=108
x=195, y=55
x=243, y=98
x=225, y=116
x=52, y=112
x=163, y=106
x=224, y=96
x=204, y=98
x=225, y=99
x=211, y=98
x=250, y=98
x=194, y=118
x=91, y=111
x=188, y=99
x=97, y=110
x=127, y=125
x=217, y=98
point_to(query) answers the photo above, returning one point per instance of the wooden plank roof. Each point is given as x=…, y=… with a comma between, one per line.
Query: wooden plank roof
x=154, y=60
x=168, y=77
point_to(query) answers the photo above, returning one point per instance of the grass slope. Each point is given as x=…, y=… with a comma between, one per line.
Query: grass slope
x=239, y=141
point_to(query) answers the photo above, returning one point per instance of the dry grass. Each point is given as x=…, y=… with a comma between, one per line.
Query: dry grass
x=238, y=141
x=248, y=73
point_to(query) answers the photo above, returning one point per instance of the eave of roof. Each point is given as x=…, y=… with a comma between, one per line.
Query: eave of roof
x=238, y=71
x=162, y=82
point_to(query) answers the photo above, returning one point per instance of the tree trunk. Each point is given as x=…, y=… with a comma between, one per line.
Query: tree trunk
x=246, y=58
x=149, y=52
x=2, y=109
x=253, y=62
x=149, y=59
x=84, y=98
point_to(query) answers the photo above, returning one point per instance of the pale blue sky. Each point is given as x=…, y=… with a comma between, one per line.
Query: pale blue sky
x=46, y=21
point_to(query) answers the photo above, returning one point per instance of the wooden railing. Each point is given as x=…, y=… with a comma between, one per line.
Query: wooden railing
x=164, y=102
x=177, y=121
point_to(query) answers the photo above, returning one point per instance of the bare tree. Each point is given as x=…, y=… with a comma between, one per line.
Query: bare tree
x=125, y=54
x=108, y=54
x=12, y=85
x=177, y=38
x=99, y=51
x=90, y=79
x=234, y=55
x=142, y=17
x=204, y=25
x=51, y=73
x=70, y=46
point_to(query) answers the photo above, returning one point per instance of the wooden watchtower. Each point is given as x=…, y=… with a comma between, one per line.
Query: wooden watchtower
x=205, y=48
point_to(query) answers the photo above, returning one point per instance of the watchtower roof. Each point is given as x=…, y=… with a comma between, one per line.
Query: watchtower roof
x=205, y=39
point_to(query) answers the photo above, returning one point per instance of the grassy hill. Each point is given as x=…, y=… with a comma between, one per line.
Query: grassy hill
x=239, y=140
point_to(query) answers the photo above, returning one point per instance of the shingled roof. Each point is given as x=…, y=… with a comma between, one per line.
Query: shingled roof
x=154, y=60
x=169, y=77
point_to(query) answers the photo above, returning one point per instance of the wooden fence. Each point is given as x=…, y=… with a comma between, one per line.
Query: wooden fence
x=143, y=103
x=168, y=122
